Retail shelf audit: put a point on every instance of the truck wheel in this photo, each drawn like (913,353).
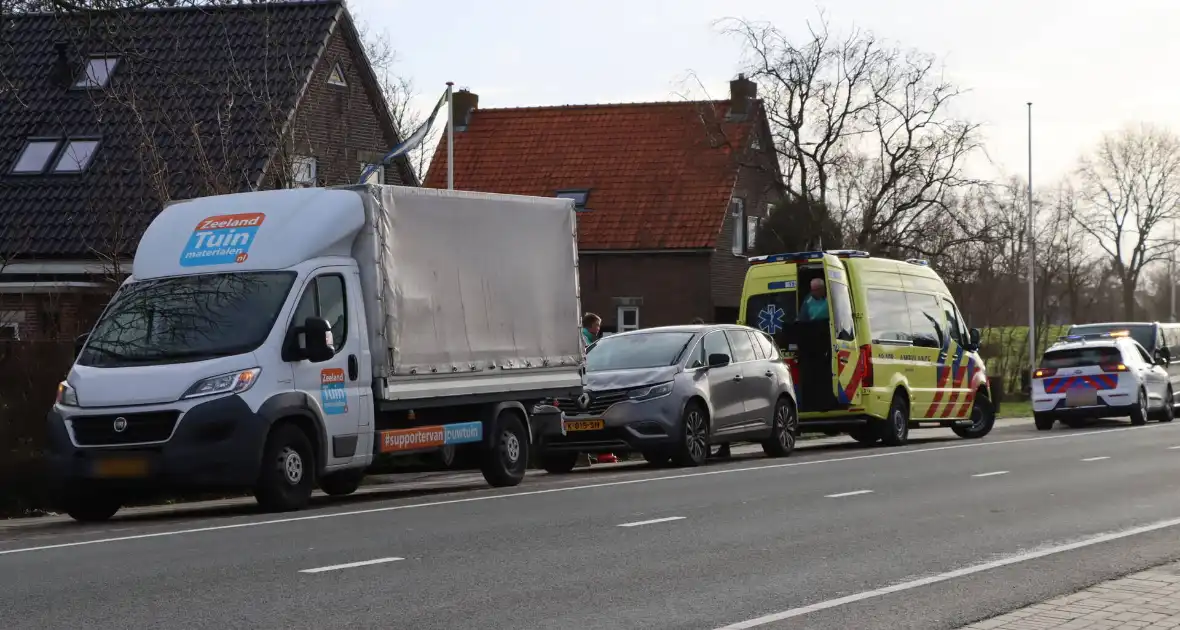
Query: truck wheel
(288,470)
(559,463)
(693,446)
(1139,413)
(94,507)
(1043,422)
(784,426)
(983,418)
(505,462)
(339,484)
(895,430)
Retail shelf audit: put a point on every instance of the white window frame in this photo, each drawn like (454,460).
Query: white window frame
(91,79)
(737,210)
(619,318)
(378,175)
(337,71)
(303,171)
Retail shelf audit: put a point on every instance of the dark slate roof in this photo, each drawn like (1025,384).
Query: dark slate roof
(229,76)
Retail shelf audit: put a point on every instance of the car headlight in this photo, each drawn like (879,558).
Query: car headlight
(232,383)
(647,393)
(66,395)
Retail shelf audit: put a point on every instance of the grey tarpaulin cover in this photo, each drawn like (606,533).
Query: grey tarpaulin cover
(468,282)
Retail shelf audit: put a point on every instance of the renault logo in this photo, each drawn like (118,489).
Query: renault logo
(584,400)
(120,424)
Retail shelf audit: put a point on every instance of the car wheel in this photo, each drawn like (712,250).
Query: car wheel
(1139,414)
(895,431)
(288,470)
(864,435)
(559,463)
(657,458)
(983,418)
(342,483)
(693,447)
(1043,422)
(783,429)
(91,507)
(1168,413)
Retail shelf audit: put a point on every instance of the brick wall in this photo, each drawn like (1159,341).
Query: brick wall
(338,125)
(51,316)
(674,288)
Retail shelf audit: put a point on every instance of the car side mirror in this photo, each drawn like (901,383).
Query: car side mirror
(79,343)
(1162,361)
(318,345)
(976,338)
(718,360)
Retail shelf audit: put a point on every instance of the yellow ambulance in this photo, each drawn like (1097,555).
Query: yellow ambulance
(876,346)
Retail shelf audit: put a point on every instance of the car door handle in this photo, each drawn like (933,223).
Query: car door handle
(738,377)
(354,367)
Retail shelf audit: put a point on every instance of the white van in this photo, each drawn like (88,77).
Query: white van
(273,340)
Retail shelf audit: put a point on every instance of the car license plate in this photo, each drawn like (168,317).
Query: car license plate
(121,467)
(1081,398)
(583,425)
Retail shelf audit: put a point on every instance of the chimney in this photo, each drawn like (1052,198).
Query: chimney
(463,103)
(742,93)
(61,73)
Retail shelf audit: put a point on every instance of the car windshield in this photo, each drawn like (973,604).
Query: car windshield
(1143,333)
(187,318)
(637,350)
(1080,357)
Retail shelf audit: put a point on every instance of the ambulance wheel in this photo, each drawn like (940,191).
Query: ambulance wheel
(343,483)
(895,430)
(1043,422)
(505,462)
(1168,413)
(1139,413)
(864,435)
(288,470)
(983,418)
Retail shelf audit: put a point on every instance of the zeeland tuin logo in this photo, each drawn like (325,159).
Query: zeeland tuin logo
(221,240)
(333,395)
(772,319)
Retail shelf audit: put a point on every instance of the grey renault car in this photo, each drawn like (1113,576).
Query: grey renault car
(671,392)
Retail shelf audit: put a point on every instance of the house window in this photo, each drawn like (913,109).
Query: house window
(76,156)
(97,73)
(752,225)
(628,318)
(336,76)
(10,322)
(374,176)
(34,158)
(579,197)
(737,212)
(303,171)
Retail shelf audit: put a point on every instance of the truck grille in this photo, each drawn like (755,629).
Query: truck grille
(153,426)
(599,403)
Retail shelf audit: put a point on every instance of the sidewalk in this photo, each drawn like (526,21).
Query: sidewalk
(1149,600)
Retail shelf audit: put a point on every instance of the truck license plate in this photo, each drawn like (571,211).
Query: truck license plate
(123,467)
(584,425)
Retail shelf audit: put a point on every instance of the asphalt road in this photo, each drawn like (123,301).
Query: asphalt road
(935,535)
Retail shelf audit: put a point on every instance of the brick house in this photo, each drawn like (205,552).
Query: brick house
(670,194)
(108,115)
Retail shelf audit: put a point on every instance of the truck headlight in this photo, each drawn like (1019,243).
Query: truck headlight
(66,396)
(232,383)
(647,393)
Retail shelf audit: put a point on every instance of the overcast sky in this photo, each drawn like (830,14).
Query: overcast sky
(1088,66)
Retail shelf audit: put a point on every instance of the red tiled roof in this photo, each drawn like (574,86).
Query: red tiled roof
(659,175)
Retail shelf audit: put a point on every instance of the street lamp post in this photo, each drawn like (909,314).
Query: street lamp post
(1032,267)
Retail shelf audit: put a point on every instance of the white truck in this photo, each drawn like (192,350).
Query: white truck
(275,340)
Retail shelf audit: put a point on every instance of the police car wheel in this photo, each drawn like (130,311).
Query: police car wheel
(1043,422)
(895,431)
(1139,413)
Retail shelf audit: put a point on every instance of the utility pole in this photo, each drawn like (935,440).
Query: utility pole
(1032,265)
(1172,273)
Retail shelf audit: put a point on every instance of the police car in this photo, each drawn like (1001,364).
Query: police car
(1082,377)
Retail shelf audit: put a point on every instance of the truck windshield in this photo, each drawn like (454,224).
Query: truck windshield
(187,318)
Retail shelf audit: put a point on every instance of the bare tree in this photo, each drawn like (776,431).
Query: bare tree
(863,128)
(399,91)
(1129,189)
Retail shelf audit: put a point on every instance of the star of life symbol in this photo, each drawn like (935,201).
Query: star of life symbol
(771,319)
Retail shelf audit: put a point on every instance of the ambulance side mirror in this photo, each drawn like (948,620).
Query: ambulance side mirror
(975,339)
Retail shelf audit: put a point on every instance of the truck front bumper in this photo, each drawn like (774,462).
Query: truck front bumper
(215,444)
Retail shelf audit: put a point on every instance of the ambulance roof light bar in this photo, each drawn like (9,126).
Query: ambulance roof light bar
(802,256)
(918,261)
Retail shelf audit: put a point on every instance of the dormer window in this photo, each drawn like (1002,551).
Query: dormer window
(579,196)
(97,73)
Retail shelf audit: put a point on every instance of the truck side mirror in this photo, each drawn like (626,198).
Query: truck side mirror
(79,343)
(318,345)
(976,338)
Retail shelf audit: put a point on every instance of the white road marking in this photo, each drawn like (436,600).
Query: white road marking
(653,521)
(1174,448)
(950,575)
(351,565)
(1095,459)
(991,474)
(592,486)
(847,494)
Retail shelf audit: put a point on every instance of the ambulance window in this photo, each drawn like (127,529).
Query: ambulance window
(841,310)
(953,325)
(889,315)
(772,313)
(925,320)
